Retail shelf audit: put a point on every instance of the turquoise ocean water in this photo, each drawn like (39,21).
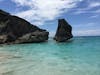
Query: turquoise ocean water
(80,56)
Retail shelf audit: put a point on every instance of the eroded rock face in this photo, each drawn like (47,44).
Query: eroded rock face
(12,28)
(33,37)
(64,31)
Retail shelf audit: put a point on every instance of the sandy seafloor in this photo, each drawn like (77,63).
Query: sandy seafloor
(80,56)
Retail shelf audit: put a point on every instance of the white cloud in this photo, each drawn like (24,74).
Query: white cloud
(85,26)
(94,4)
(42,10)
(86,29)
(52,34)
(94,16)
(90,4)
(97,12)
(95,32)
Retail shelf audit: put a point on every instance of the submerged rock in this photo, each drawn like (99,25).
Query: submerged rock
(13,28)
(64,31)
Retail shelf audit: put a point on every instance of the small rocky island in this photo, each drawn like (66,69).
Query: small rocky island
(64,31)
(17,30)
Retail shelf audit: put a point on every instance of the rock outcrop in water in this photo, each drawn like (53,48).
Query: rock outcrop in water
(17,30)
(64,31)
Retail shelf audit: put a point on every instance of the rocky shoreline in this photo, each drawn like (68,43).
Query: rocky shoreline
(17,30)
(14,30)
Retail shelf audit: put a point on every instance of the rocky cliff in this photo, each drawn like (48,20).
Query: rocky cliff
(17,30)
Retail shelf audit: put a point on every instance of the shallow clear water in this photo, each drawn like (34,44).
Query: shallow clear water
(80,56)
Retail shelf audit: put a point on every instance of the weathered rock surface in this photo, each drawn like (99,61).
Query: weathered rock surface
(36,36)
(64,31)
(17,30)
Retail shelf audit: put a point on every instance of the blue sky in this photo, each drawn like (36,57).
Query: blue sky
(83,15)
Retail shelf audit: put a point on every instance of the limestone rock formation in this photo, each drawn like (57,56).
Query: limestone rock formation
(64,31)
(13,28)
